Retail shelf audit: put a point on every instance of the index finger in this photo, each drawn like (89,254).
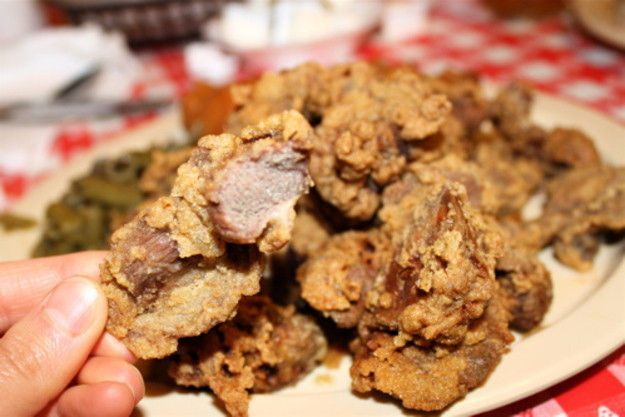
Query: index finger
(23,284)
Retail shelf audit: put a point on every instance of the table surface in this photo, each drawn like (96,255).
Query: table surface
(553,54)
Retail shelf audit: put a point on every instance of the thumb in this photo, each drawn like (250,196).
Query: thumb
(41,354)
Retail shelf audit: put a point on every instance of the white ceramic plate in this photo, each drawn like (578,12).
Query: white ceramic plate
(586,321)
(601,19)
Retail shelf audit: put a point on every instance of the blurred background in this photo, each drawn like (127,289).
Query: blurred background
(75,73)
(49,46)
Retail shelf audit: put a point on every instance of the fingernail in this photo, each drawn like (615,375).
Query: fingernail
(70,305)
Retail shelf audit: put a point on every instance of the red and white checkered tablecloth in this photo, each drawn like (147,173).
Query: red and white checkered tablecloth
(552,54)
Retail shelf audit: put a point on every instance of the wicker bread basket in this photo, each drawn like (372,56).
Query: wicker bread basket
(142,21)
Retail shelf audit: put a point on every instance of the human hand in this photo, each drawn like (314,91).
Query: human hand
(55,357)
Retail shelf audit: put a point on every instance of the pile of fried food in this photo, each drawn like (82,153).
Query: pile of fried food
(381,200)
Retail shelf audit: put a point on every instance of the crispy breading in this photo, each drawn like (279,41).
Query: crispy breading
(430,377)
(335,279)
(581,204)
(182,264)
(418,289)
(435,308)
(365,117)
(263,348)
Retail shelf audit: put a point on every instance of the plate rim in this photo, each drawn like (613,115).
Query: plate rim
(594,22)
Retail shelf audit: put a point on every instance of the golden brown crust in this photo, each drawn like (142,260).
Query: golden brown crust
(431,377)
(435,310)
(335,279)
(367,116)
(421,290)
(264,348)
(581,204)
(172,272)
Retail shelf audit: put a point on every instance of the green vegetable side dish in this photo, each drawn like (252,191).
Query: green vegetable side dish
(12,221)
(84,217)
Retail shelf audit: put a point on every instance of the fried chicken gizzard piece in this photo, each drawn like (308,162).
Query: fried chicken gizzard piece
(263,348)
(182,264)
(435,315)
(432,377)
(422,292)
(581,204)
(335,279)
(557,150)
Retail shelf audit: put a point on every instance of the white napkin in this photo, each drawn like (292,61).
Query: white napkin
(35,68)
(38,66)
(206,61)
(404,19)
